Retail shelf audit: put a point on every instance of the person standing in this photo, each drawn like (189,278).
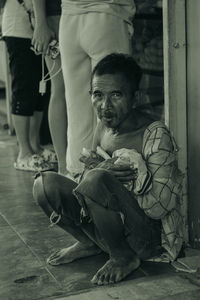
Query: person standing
(47,18)
(89,30)
(27,103)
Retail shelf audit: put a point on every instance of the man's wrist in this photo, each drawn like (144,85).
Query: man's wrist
(41,22)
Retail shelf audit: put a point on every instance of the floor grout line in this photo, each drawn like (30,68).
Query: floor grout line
(31,250)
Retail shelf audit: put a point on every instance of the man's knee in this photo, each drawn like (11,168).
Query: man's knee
(55,191)
(97,185)
(96,176)
(44,187)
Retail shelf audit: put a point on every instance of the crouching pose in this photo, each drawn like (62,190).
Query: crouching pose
(127,201)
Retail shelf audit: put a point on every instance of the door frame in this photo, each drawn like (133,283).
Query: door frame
(175,84)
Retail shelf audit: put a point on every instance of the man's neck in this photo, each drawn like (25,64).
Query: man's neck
(133,122)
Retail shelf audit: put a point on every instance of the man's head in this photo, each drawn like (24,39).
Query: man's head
(114,82)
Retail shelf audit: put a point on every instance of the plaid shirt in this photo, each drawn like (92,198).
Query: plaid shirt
(163,200)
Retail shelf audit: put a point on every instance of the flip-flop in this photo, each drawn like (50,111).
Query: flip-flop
(33,163)
(49,156)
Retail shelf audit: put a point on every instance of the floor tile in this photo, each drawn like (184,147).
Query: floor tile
(32,285)
(3,223)
(44,240)
(153,268)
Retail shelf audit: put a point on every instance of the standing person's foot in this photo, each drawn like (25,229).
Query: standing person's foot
(72,253)
(49,155)
(116,269)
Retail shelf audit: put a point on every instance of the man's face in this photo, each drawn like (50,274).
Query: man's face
(111,98)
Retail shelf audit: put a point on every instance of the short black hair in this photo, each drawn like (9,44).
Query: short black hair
(118,63)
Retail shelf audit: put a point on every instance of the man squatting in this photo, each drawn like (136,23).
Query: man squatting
(127,202)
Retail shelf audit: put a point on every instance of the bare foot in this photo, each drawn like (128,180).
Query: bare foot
(24,156)
(74,252)
(115,270)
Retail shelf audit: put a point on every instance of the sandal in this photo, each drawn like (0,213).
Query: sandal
(34,163)
(49,156)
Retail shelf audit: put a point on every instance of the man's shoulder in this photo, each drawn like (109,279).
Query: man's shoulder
(156,125)
(156,137)
(155,130)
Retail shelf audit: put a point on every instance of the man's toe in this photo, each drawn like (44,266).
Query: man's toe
(102,279)
(52,262)
(94,279)
(112,279)
(119,276)
(52,259)
(107,279)
(100,282)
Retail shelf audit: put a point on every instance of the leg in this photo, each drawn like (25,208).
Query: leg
(53,192)
(22,125)
(34,132)
(25,69)
(106,199)
(76,72)
(81,48)
(58,114)
(123,260)
(27,160)
(22,110)
(57,104)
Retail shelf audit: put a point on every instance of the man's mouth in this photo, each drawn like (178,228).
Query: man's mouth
(108,116)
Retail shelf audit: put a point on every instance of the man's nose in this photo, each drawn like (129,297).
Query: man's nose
(106,102)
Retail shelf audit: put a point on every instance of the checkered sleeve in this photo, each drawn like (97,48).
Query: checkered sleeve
(159,152)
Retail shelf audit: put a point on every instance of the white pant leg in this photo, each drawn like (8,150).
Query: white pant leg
(76,65)
(84,40)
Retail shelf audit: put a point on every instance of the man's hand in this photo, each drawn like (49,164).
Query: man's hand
(91,159)
(122,173)
(42,36)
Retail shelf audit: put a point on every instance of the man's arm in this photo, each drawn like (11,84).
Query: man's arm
(42,34)
(159,152)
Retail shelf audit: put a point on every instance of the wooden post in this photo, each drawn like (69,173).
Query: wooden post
(175,89)
(193,108)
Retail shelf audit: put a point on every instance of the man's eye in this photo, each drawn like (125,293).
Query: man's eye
(97,95)
(116,95)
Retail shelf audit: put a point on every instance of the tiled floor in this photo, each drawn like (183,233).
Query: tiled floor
(26,240)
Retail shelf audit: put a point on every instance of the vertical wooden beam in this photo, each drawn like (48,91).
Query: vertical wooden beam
(193,96)
(175,76)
